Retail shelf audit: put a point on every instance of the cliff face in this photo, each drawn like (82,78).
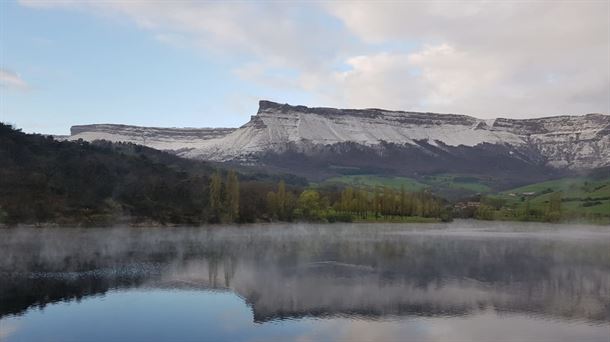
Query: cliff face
(562,142)
(572,142)
(172,139)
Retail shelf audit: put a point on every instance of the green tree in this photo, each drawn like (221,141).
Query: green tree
(362,202)
(216,196)
(377,202)
(402,204)
(309,204)
(388,201)
(282,200)
(281,204)
(553,213)
(232,198)
(347,197)
(272,206)
(484,212)
(555,202)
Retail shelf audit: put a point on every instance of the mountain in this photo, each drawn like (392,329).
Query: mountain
(321,142)
(172,139)
(45,181)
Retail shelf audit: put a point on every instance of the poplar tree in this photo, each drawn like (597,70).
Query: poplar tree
(281,200)
(232,204)
(216,195)
(555,202)
(272,206)
(362,202)
(403,201)
(346,199)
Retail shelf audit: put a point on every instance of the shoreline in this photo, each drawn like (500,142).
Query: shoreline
(430,221)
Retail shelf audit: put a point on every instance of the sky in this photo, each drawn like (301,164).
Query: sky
(207,64)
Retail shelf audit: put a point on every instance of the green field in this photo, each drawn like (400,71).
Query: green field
(369,181)
(450,186)
(572,187)
(581,197)
(457,182)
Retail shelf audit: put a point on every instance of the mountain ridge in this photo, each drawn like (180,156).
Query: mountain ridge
(557,142)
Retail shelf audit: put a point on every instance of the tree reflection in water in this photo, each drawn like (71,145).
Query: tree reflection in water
(290,271)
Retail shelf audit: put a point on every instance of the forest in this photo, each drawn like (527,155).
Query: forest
(44,181)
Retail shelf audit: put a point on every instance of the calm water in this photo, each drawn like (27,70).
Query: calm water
(463,281)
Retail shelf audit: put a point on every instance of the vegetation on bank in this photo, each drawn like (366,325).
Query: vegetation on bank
(583,198)
(563,200)
(44,181)
(352,204)
(451,186)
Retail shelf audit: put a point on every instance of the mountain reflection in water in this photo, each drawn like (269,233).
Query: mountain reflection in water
(370,272)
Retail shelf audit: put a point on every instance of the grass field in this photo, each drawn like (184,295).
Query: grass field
(451,186)
(369,181)
(580,196)
(457,182)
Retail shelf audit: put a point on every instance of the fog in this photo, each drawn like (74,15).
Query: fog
(307,270)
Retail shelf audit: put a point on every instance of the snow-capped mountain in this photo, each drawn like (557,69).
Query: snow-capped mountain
(328,135)
(168,139)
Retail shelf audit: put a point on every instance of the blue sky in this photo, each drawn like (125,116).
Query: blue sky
(84,69)
(195,64)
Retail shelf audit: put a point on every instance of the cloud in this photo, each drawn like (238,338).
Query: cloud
(382,80)
(12,80)
(521,59)
(298,35)
(488,59)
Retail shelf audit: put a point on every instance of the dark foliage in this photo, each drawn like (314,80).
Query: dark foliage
(43,181)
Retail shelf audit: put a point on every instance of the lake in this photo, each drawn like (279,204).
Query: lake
(461,281)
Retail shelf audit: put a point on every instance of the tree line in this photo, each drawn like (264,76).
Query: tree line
(378,203)
(44,181)
(492,208)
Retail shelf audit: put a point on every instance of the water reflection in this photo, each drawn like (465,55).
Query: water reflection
(376,272)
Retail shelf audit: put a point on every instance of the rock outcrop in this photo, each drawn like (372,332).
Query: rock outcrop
(560,142)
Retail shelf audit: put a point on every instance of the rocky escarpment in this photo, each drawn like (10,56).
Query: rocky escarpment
(562,142)
(172,139)
(329,137)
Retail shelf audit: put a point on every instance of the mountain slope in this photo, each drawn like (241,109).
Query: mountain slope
(562,141)
(173,139)
(43,180)
(321,142)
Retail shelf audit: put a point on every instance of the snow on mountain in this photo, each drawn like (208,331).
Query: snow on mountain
(562,141)
(170,139)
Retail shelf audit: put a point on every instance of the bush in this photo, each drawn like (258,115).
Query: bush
(338,217)
(484,212)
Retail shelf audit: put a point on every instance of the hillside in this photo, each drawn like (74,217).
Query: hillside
(44,181)
(449,186)
(575,198)
(563,141)
(321,143)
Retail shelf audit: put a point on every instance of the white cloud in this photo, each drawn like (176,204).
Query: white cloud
(277,34)
(490,58)
(519,59)
(382,80)
(12,80)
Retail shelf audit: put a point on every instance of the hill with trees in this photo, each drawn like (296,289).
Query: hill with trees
(45,181)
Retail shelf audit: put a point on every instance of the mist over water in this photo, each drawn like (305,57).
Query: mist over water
(457,281)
